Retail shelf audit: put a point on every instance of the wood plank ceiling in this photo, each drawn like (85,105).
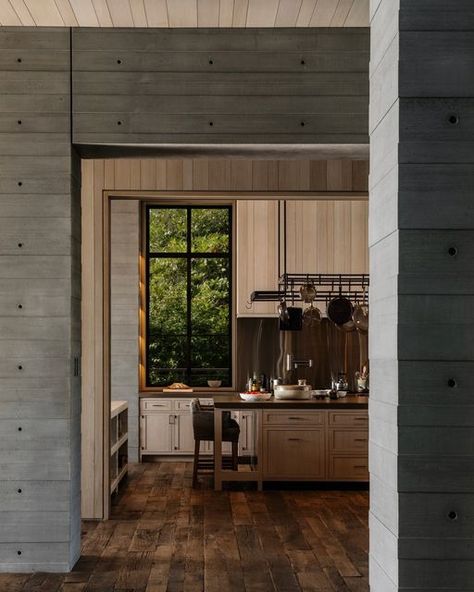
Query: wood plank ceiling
(185,13)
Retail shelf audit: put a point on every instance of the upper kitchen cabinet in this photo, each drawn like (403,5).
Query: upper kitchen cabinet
(327,236)
(323,236)
(257,254)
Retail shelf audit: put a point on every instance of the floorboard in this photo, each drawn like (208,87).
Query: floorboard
(164,536)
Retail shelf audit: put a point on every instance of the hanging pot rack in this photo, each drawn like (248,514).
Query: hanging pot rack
(354,286)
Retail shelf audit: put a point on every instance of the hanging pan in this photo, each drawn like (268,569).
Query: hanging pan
(340,309)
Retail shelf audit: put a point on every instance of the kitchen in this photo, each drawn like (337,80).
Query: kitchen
(333,211)
(111,107)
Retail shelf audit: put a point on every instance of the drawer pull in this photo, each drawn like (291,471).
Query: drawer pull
(294,439)
(360,467)
(360,439)
(360,418)
(158,405)
(296,418)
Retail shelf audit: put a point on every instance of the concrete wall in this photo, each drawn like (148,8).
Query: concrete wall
(40,331)
(422,354)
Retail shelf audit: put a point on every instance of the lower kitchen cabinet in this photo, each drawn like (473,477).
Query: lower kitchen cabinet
(310,445)
(166,428)
(294,453)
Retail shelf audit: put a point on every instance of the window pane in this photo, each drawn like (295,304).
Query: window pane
(210,290)
(167,297)
(211,358)
(167,359)
(168,230)
(210,228)
(201,376)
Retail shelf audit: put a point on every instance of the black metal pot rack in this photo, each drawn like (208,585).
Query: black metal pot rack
(328,286)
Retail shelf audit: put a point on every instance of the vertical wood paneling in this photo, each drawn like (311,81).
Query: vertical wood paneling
(256,233)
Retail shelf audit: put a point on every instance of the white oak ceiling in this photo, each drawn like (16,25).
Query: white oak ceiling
(185,13)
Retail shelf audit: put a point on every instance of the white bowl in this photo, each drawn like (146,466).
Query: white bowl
(341,394)
(214,383)
(321,393)
(254,397)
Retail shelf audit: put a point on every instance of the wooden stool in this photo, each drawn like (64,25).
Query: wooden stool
(203,428)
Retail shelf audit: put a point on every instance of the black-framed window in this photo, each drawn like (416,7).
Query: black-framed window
(188,295)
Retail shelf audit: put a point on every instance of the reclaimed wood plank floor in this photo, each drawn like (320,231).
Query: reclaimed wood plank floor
(166,537)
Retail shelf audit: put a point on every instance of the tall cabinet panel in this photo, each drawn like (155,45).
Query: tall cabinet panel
(257,254)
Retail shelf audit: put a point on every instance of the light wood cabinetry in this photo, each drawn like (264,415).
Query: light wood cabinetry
(322,237)
(313,445)
(257,254)
(118,465)
(297,453)
(348,446)
(166,428)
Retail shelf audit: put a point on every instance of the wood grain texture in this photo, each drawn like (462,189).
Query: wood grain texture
(191,13)
(165,535)
(202,175)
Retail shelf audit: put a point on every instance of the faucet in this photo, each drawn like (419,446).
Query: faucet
(292,364)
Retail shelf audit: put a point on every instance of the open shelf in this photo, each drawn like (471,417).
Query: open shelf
(118,443)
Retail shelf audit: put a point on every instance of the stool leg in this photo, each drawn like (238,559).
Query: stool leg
(197,446)
(235,456)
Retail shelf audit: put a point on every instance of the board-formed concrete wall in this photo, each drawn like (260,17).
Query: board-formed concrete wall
(40,244)
(421,335)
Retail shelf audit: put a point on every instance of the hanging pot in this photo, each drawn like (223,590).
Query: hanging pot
(340,310)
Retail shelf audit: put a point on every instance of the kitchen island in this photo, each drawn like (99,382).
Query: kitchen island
(299,440)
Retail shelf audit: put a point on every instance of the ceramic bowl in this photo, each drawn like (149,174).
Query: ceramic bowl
(254,397)
(214,383)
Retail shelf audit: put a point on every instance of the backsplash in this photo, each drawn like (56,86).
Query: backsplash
(262,348)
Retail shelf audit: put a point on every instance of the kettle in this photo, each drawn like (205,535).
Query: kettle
(341,383)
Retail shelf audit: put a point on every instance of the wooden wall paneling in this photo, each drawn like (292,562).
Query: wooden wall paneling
(200,175)
(200,13)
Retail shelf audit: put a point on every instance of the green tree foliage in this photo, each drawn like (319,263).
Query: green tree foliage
(175,352)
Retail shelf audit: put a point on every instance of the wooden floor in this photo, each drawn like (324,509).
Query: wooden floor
(165,537)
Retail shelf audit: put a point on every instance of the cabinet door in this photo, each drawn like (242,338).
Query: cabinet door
(156,433)
(183,440)
(246,440)
(294,454)
(257,254)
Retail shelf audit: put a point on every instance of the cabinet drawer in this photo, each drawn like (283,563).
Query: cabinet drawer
(182,405)
(156,405)
(294,454)
(349,468)
(350,419)
(344,440)
(293,418)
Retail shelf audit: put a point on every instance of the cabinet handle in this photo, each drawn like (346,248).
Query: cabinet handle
(296,418)
(294,439)
(360,439)
(360,467)
(360,418)
(171,419)
(158,405)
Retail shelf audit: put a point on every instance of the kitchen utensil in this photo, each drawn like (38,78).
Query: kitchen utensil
(311,316)
(320,393)
(292,391)
(283,311)
(340,309)
(294,321)
(254,397)
(308,293)
(360,315)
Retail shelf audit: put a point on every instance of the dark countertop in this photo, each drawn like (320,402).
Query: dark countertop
(233,401)
(178,395)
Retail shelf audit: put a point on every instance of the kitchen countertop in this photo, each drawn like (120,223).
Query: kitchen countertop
(193,395)
(233,401)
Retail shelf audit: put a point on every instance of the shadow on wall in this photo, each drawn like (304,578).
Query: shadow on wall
(262,349)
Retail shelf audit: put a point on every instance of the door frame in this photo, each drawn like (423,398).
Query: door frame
(105,250)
